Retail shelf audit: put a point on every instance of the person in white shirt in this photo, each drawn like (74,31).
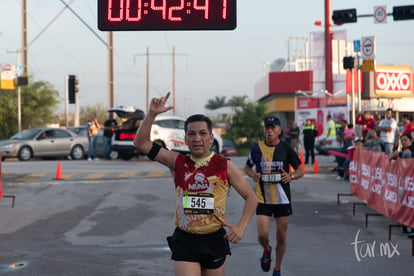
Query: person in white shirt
(387,128)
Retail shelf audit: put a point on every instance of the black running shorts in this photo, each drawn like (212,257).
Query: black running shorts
(279,210)
(210,250)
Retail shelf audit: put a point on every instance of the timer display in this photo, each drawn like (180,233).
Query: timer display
(152,15)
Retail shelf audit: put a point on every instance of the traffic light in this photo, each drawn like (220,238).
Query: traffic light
(403,12)
(344,16)
(72,88)
(349,63)
(22,81)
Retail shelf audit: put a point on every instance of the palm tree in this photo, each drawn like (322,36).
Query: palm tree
(238,101)
(215,103)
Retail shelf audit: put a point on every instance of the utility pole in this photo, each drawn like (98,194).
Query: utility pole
(111,91)
(328,47)
(147,54)
(25,61)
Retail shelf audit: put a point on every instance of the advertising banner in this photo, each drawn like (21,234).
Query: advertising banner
(317,109)
(384,185)
(7,77)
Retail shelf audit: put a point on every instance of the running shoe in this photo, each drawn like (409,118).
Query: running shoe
(266,260)
(276,273)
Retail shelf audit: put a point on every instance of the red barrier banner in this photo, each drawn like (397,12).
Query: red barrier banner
(384,185)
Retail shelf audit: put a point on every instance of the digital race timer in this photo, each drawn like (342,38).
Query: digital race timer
(151,15)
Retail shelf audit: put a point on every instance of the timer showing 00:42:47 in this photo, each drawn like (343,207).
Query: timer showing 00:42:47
(152,15)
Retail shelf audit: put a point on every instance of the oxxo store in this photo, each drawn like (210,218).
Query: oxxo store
(289,95)
(388,87)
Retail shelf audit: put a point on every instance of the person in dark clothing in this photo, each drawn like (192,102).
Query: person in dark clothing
(109,128)
(309,134)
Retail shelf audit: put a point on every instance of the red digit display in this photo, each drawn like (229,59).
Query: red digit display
(152,15)
(204,7)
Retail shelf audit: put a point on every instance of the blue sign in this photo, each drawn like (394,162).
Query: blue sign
(357,46)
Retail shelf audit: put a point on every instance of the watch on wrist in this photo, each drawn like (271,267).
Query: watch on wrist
(292,176)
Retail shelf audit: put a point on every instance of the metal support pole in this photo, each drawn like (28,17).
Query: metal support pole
(19,108)
(66,102)
(173,64)
(328,47)
(76,119)
(147,82)
(111,90)
(352,97)
(358,86)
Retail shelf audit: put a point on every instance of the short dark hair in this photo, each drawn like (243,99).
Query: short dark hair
(389,109)
(199,118)
(406,135)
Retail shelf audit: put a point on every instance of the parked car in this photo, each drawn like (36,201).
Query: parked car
(83,131)
(229,149)
(45,143)
(166,130)
(123,138)
(323,145)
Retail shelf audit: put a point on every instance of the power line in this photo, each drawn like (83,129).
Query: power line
(86,24)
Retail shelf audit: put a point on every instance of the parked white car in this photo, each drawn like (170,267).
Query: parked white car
(169,132)
(166,130)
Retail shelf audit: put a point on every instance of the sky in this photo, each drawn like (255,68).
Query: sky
(208,63)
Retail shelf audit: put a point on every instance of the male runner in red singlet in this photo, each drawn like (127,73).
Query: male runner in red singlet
(202,180)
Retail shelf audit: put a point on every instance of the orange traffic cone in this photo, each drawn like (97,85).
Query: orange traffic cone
(58,171)
(302,161)
(316,166)
(291,170)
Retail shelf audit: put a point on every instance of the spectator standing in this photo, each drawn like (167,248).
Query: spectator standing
(310,132)
(345,141)
(387,128)
(294,136)
(408,126)
(330,128)
(109,128)
(377,118)
(286,134)
(406,148)
(338,123)
(93,129)
(405,152)
(349,135)
(373,142)
(366,122)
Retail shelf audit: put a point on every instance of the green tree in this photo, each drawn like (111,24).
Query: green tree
(215,103)
(238,101)
(39,101)
(100,110)
(244,128)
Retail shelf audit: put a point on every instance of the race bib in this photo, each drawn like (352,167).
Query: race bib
(198,203)
(272,177)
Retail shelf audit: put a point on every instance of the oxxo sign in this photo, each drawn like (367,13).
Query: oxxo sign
(393,83)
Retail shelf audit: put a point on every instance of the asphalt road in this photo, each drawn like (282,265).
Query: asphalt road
(111,225)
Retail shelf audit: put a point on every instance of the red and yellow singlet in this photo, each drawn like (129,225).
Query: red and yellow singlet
(201,188)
